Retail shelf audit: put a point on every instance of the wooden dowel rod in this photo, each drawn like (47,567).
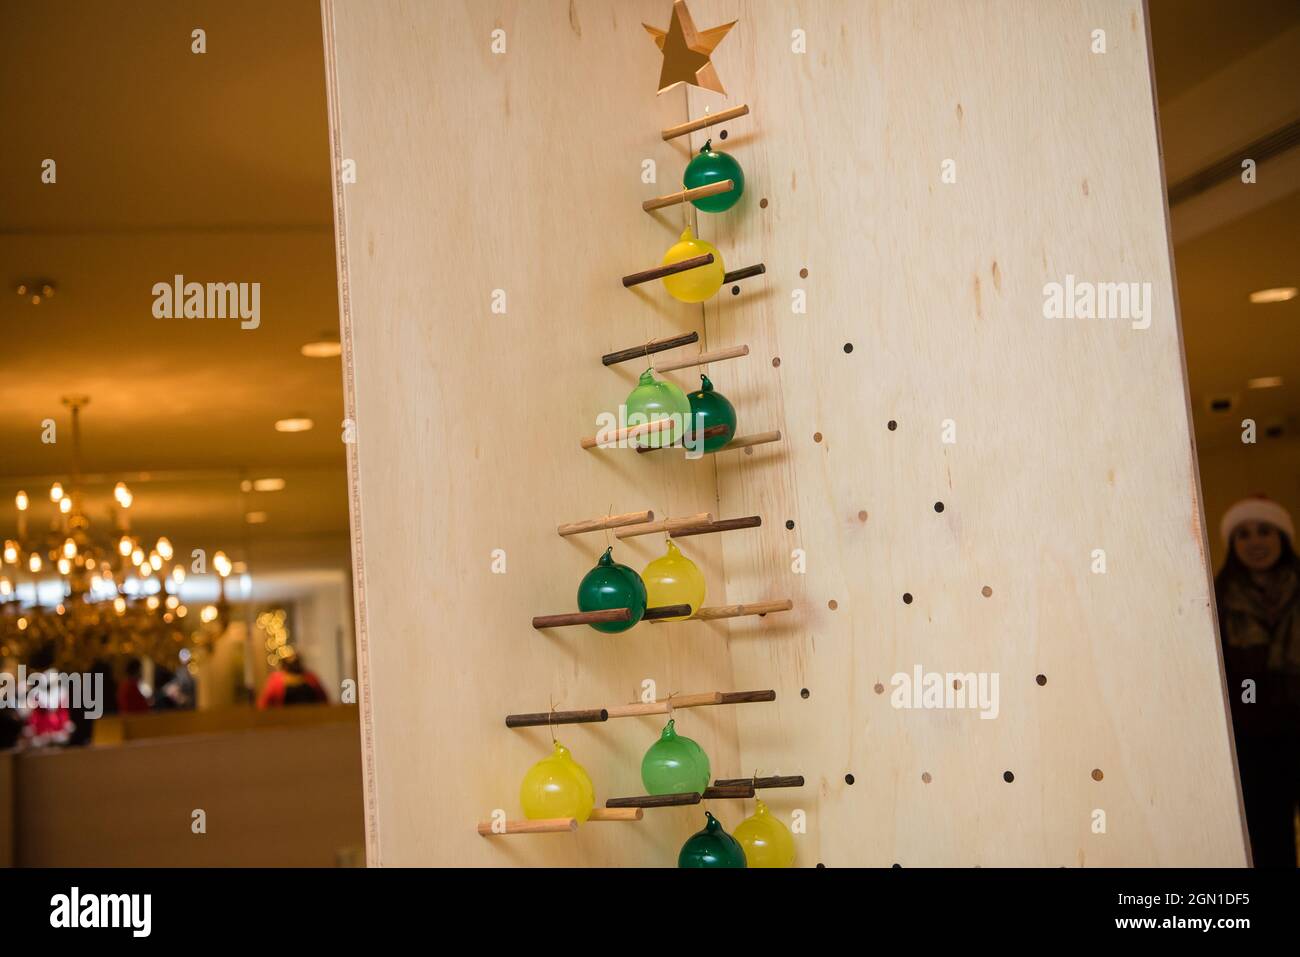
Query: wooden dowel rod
(615,814)
(664,525)
(708,433)
(717,355)
(605,439)
(758,438)
(672,269)
(685,195)
(717,793)
(541,718)
(666,705)
(549,825)
(694,700)
(745,272)
(726,525)
(656,800)
(709,119)
(777,781)
(654,345)
(583,618)
(748,697)
(666,611)
(740,611)
(639,710)
(609,521)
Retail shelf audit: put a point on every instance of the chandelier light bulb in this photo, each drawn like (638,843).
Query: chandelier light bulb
(172,602)
(125,545)
(22,289)
(178,574)
(6,589)
(221,563)
(47,291)
(11,553)
(56,492)
(119,604)
(21,501)
(64,566)
(208,614)
(137,556)
(65,505)
(69,549)
(22,624)
(164,548)
(34,563)
(182,611)
(152,602)
(155,561)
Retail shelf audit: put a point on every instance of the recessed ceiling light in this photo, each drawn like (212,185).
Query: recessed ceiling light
(1277,294)
(268,485)
(300,424)
(323,349)
(255,518)
(1264,382)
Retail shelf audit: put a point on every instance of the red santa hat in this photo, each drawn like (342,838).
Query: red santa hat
(1256,508)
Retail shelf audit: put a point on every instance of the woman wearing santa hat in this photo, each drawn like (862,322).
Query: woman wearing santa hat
(1258,594)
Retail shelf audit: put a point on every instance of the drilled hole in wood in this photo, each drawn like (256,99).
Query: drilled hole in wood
(776,362)
(832,604)
(1096,774)
(938,506)
(848,779)
(817,436)
(762,203)
(892,425)
(956,684)
(803,273)
(1042,680)
(749,450)
(925,777)
(848,347)
(804,692)
(820,865)
(879,688)
(1008,776)
(907,598)
(789,523)
(722,135)
(862,515)
(735,290)
(986,591)
(896,866)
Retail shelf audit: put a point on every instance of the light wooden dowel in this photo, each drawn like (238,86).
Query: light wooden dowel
(666,705)
(615,814)
(740,611)
(702,699)
(686,195)
(717,355)
(638,710)
(548,825)
(664,525)
(758,438)
(583,618)
(609,521)
(709,119)
(604,440)
(708,433)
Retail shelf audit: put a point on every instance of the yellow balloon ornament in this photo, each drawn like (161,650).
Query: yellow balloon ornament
(557,786)
(698,284)
(673,579)
(765,838)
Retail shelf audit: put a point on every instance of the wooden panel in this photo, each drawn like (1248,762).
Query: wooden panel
(1071,435)
(288,797)
(520,172)
(116,728)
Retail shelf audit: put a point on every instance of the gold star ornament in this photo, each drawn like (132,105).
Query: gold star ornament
(686,51)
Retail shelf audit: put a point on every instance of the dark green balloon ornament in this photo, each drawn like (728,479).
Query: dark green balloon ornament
(709,408)
(710,166)
(611,585)
(711,847)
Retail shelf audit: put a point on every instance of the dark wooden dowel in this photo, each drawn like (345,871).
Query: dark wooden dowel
(720,792)
(708,433)
(542,718)
(656,800)
(747,697)
(659,272)
(776,781)
(582,618)
(654,345)
(747,272)
(726,525)
(666,611)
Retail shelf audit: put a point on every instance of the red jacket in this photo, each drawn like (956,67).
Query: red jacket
(283,689)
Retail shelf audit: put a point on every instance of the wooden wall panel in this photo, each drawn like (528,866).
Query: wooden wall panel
(520,171)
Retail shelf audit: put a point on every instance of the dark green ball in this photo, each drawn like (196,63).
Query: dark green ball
(710,166)
(611,585)
(709,408)
(711,847)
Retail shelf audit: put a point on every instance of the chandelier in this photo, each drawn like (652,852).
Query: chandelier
(118,599)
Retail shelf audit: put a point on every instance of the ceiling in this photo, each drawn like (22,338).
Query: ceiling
(215,166)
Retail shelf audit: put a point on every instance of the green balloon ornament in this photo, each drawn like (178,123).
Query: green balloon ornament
(710,166)
(674,765)
(765,838)
(611,585)
(711,847)
(656,399)
(709,408)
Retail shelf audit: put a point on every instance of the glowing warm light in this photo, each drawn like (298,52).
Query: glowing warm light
(11,553)
(164,547)
(322,349)
(125,545)
(22,624)
(178,574)
(294,425)
(65,505)
(69,549)
(1264,382)
(123,495)
(21,501)
(155,561)
(182,611)
(268,485)
(221,563)
(59,609)
(172,602)
(137,556)
(119,604)
(56,492)
(64,566)
(6,589)
(208,614)
(255,518)
(34,563)
(1276,294)
(152,602)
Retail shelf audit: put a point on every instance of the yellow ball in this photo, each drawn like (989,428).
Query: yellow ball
(698,284)
(673,579)
(557,786)
(766,839)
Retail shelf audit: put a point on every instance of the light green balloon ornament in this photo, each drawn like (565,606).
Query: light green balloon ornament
(674,765)
(656,399)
